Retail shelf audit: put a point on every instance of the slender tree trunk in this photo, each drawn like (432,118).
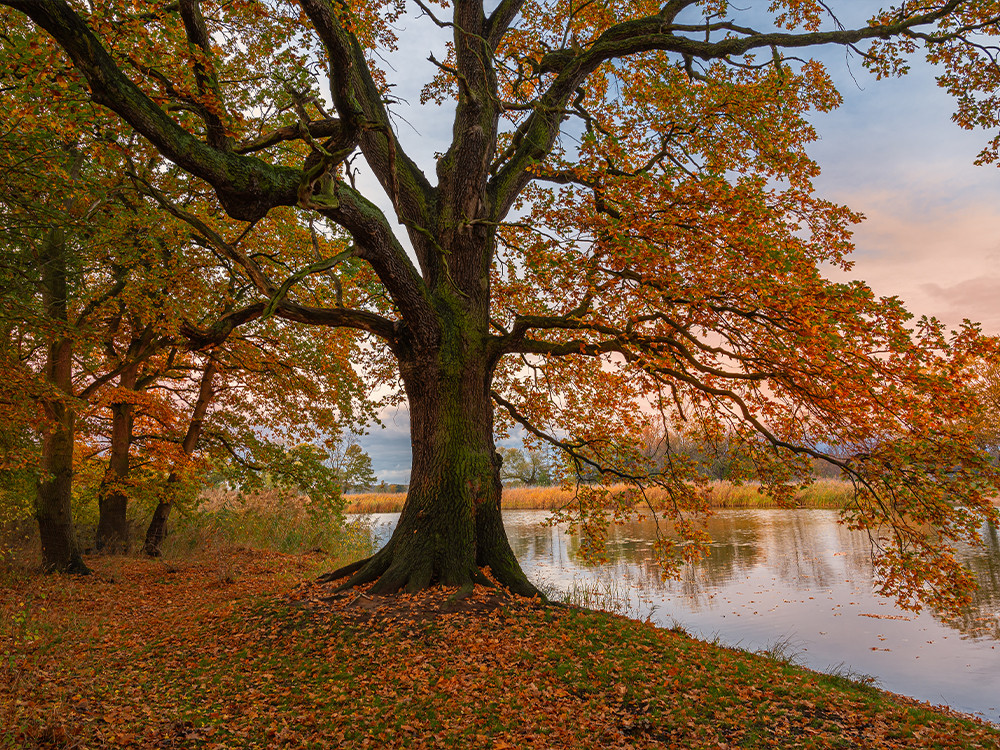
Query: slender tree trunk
(157,530)
(450,527)
(53,505)
(112,498)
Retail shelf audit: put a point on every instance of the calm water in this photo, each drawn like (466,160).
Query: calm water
(795,580)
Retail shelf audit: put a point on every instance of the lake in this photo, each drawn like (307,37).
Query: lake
(793,582)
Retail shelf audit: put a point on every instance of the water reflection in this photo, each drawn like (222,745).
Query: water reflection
(797,548)
(982,619)
(794,576)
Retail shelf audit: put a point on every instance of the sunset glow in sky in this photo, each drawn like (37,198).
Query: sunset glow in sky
(932,232)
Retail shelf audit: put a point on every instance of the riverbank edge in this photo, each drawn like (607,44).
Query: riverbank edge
(824,493)
(253,657)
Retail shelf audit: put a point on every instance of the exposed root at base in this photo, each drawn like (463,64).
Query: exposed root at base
(76,567)
(360,606)
(382,578)
(343,572)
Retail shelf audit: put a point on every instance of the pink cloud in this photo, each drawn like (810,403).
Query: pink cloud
(979,294)
(942,257)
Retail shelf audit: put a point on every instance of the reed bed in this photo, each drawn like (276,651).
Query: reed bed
(824,493)
(267,520)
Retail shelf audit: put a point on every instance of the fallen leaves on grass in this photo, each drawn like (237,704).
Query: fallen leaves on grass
(178,658)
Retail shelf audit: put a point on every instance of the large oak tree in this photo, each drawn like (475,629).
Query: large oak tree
(622,228)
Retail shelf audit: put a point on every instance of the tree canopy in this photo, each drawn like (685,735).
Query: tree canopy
(622,232)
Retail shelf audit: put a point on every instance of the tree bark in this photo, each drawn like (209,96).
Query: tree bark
(112,499)
(450,527)
(60,550)
(157,530)
(53,504)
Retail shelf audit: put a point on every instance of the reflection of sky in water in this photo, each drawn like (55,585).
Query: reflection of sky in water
(794,577)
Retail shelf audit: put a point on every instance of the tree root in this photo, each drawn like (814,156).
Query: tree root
(344,571)
(392,571)
(463,592)
(75,566)
(389,578)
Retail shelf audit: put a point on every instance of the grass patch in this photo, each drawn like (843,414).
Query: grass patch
(220,523)
(824,493)
(169,656)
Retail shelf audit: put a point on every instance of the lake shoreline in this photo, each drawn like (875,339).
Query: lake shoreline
(824,493)
(794,581)
(259,655)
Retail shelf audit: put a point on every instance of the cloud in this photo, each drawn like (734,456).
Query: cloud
(389,446)
(979,294)
(941,259)
(932,230)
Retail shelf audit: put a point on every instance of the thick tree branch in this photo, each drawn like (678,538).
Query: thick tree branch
(247,187)
(725,394)
(204,74)
(536,136)
(329,128)
(573,450)
(377,245)
(360,106)
(218,332)
(374,243)
(477,111)
(500,21)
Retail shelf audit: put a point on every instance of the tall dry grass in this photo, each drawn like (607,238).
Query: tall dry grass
(824,493)
(219,525)
(267,520)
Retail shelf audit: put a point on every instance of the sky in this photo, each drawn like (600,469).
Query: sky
(932,229)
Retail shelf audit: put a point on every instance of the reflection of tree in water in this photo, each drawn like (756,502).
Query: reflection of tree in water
(735,549)
(800,549)
(795,548)
(982,618)
(856,549)
(630,547)
(629,552)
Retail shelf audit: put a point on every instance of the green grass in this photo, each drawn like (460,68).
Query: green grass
(169,656)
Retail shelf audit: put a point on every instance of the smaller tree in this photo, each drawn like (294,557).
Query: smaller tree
(528,468)
(352,465)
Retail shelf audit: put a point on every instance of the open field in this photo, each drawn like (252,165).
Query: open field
(824,493)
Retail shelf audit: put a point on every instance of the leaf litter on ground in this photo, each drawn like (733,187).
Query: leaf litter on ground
(146,655)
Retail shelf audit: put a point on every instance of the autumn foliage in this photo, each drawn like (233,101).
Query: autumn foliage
(621,235)
(253,660)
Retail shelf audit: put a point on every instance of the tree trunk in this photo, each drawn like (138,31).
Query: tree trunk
(157,530)
(450,527)
(54,498)
(112,499)
(53,509)
(53,504)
